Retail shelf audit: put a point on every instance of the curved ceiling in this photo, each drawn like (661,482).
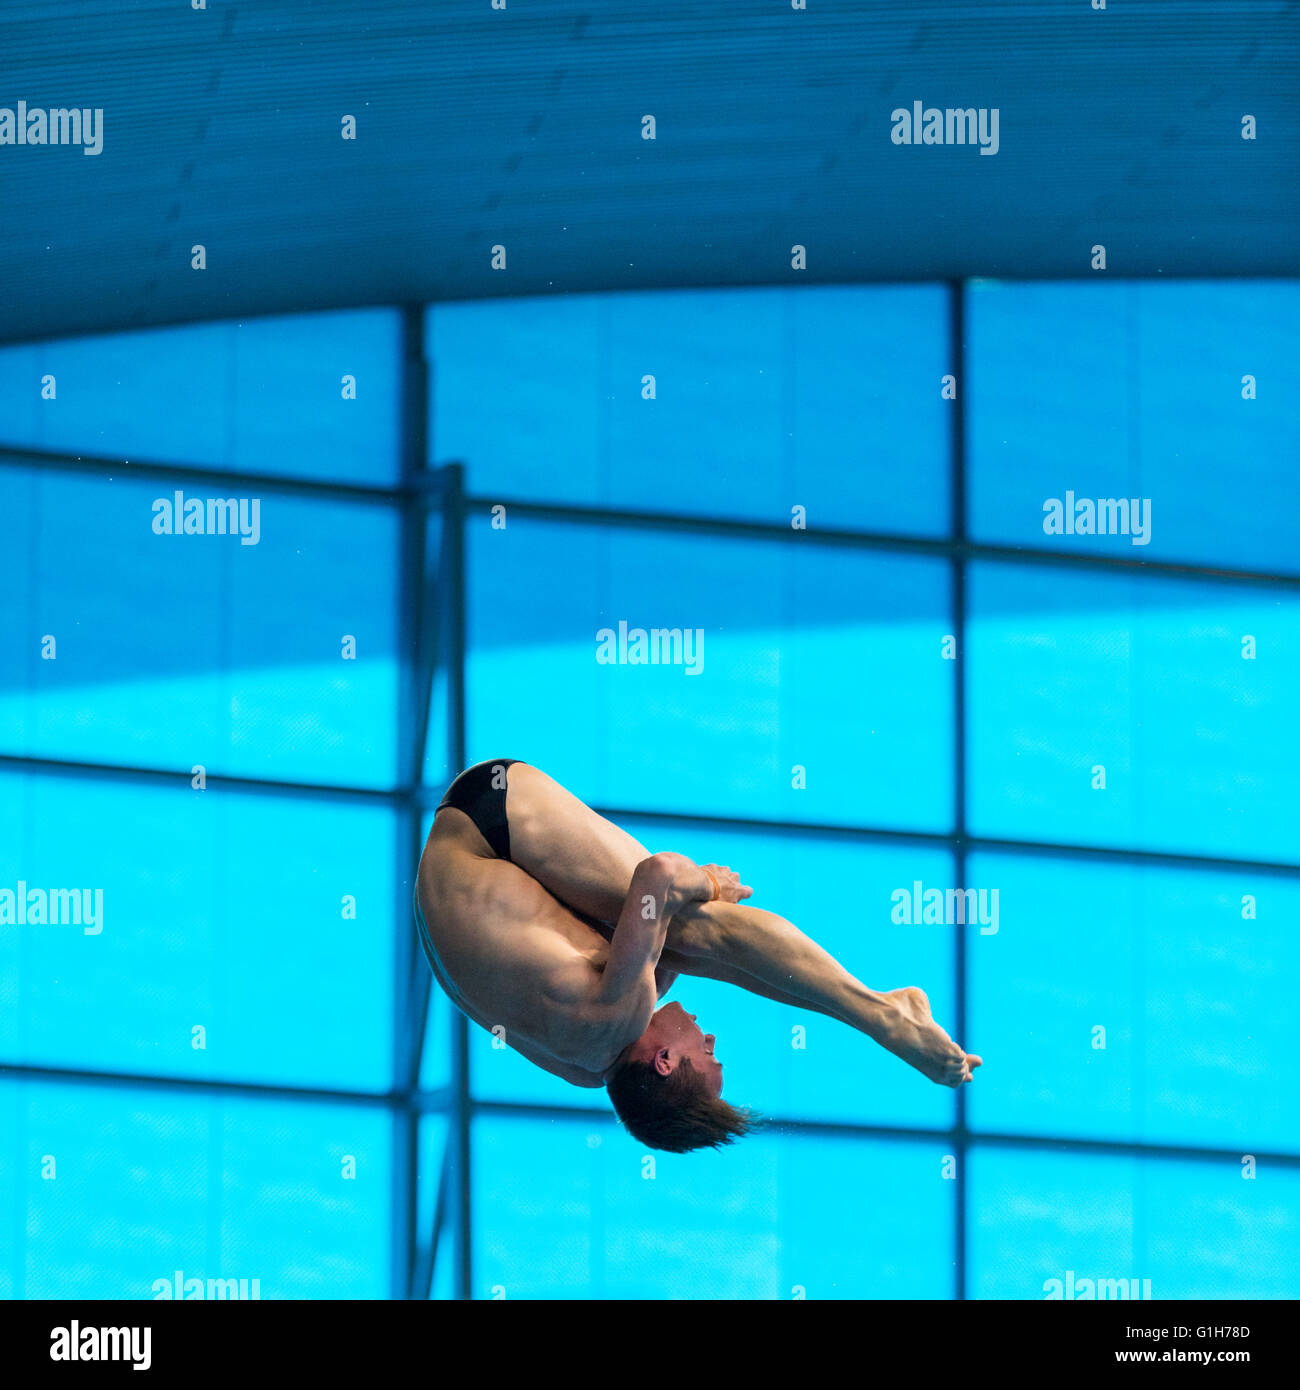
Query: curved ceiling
(522,127)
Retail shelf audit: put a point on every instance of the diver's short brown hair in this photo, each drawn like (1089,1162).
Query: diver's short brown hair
(674,1112)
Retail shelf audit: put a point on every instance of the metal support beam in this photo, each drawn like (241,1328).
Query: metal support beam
(437,624)
(459,1136)
(173,777)
(409,626)
(1047,1143)
(123,470)
(957,528)
(936,547)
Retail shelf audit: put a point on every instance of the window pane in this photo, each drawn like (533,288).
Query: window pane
(177,650)
(1135,390)
(220,911)
(800,666)
(826,398)
(216,1187)
(1188,972)
(1194,1229)
(570,1210)
(263,396)
(1145,678)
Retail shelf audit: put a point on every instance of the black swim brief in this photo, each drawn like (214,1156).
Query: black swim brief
(476,792)
(485,804)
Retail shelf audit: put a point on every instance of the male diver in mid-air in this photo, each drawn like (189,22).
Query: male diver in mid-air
(543,919)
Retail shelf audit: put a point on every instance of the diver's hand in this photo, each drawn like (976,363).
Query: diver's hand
(695,883)
(730,888)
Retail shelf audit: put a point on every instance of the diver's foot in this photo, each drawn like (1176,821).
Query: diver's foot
(913,1035)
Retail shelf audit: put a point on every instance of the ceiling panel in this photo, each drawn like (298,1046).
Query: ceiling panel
(522,127)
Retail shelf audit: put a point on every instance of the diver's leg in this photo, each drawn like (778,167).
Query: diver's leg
(578,855)
(750,946)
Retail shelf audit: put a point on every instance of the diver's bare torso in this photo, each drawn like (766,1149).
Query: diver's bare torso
(508,953)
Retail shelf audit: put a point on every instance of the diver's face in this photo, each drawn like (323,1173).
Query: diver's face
(676,1030)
